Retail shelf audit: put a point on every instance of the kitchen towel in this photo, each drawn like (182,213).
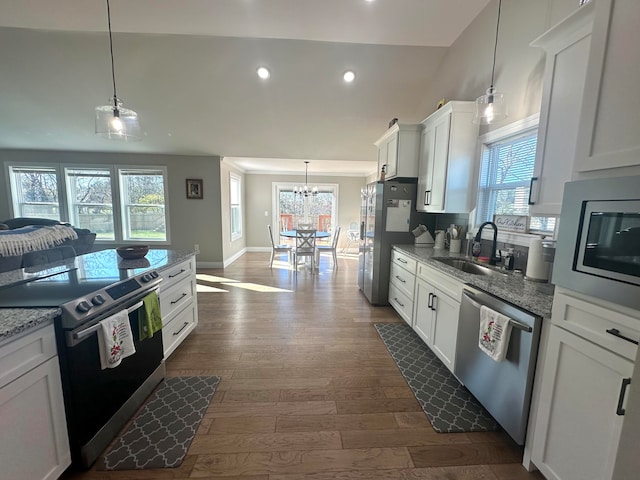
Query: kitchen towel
(150,316)
(495,331)
(115,339)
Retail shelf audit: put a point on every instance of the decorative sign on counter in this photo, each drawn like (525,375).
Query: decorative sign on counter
(512,223)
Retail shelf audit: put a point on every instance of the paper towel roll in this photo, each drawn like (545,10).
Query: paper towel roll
(537,268)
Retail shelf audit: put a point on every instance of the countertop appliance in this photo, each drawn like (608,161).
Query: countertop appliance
(598,249)
(387,217)
(503,388)
(98,403)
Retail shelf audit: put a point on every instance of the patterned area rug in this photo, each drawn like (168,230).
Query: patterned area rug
(163,430)
(447,403)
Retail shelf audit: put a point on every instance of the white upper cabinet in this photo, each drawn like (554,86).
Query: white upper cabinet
(447,150)
(398,150)
(567,52)
(609,130)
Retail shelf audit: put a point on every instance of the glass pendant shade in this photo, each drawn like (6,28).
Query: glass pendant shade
(490,107)
(305,191)
(117,123)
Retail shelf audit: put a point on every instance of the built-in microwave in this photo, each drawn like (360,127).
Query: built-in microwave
(598,249)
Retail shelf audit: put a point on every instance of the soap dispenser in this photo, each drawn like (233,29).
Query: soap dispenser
(509,259)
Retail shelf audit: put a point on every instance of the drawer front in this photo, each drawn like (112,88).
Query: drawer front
(173,275)
(444,282)
(601,325)
(175,298)
(402,279)
(401,303)
(25,353)
(406,262)
(178,328)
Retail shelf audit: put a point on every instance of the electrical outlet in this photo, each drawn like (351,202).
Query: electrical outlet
(266,214)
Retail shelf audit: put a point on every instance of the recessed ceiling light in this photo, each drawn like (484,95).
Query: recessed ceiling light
(349,76)
(264,73)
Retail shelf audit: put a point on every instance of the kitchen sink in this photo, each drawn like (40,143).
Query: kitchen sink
(470,267)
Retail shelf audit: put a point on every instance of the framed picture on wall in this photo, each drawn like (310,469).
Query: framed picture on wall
(194,188)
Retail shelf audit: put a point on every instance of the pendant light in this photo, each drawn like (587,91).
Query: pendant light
(305,191)
(113,121)
(491,107)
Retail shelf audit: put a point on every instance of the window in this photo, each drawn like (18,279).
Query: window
(505,176)
(117,203)
(35,192)
(235,199)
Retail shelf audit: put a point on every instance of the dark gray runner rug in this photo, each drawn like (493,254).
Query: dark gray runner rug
(163,430)
(447,403)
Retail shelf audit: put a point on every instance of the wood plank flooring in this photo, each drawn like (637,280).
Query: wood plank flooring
(309,390)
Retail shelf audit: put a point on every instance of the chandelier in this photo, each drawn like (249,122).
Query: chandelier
(113,121)
(305,191)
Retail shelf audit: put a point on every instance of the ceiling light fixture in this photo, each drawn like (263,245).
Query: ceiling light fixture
(113,121)
(264,73)
(491,106)
(306,190)
(349,76)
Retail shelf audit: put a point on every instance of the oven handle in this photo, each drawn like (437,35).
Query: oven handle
(88,331)
(514,323)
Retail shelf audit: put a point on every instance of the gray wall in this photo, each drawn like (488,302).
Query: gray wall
(258,199)
(191,221)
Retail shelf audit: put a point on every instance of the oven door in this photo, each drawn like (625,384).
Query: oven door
(610,240)
(99,402)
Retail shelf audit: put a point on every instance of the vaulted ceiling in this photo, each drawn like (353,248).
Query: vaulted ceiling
(189,69)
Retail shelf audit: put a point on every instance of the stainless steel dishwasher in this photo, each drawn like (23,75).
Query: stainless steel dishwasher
(503,388)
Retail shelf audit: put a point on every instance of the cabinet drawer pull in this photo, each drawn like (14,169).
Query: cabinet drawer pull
(533,179)
(182,270)
(616,333)
(434,305)
(398,277)
(398,301)
(401,260)
(623,390)
(173,302)
(181,328)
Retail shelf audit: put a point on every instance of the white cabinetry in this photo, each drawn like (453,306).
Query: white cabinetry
(402,280)
(609,130)
(583,389)
(567,50)
(398,150)
(436,311)
(32,418)
(445,171)
(178,304)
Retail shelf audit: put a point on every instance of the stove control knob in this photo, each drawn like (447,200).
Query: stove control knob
(98,300)
(145,278)
(155,274)
(83,307)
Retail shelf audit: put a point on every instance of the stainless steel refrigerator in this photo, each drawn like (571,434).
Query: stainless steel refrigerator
(387,216)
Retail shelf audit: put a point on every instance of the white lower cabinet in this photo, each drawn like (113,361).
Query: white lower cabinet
(402,278)
(436,312)
(178,304)
(32,418)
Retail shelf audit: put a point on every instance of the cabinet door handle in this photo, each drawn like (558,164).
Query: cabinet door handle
(182,270)
(173,302)
(181,328)
(616,333)
(427,197)
(623,390)
(430,302)
(533,179)
(434,305)
(399,278)
(401,260)
(398,302)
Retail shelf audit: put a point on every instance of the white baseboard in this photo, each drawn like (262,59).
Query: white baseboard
(258,249)
(233,258)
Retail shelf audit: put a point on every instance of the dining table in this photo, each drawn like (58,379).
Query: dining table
(292,234)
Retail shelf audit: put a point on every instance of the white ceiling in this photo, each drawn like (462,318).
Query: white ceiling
(188,68)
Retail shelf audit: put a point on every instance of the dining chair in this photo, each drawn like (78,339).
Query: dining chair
(353,235)
(305,226)
(278,249)
(332,249)
(305,247)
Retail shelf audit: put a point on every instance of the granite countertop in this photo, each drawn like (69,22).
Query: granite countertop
(534,297)
(15,321)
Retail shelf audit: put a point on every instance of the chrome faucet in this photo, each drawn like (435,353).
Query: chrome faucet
(493,260)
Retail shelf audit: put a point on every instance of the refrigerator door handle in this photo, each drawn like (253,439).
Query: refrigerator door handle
(361,230)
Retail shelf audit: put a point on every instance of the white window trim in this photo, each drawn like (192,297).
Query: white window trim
(515,128)
(277,187)
(238,178)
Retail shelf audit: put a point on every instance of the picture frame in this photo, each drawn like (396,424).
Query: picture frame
(194,188)
(512,223)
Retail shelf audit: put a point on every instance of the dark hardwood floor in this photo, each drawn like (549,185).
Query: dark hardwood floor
(309,390)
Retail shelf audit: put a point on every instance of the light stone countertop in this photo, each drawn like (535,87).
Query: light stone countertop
(15,321)
(534,297)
